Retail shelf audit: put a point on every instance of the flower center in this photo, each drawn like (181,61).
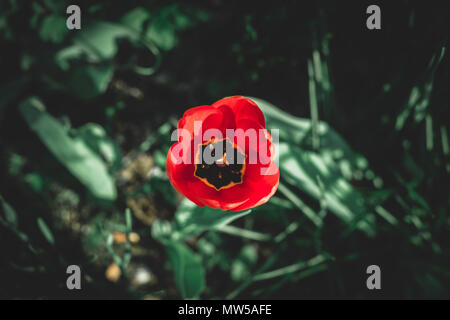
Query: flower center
(222,164)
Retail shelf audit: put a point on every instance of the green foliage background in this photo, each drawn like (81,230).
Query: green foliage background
(85,123)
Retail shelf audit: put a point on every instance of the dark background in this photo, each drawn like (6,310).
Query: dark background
(385,92)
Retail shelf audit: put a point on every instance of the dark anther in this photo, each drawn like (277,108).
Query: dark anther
(226,170)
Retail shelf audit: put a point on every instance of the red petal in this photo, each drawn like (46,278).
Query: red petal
(243,108)
(263,186)
(256,138)
(210,118)
(228,119)
(205,194)
(179,174)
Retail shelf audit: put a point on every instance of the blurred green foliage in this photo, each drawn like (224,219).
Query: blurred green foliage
(85,124)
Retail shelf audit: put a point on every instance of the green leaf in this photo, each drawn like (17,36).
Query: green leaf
(35,181)
(99,39)
(53,28)
(420,96)
(298,131)
(333,164)
(162,33)
(128,220)
(136,18)
(8,212)
(46,231)
(98,141)
(73,153)
(187,267)
(97,43)
(90,81)
(242,265)
(191,220)
(165,24)
(301,168)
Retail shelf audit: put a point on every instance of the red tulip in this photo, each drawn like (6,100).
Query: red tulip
(218,162)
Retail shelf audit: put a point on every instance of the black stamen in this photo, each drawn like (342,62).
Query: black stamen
(224,171)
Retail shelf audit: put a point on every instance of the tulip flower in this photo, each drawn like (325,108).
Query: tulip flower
(224,156)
